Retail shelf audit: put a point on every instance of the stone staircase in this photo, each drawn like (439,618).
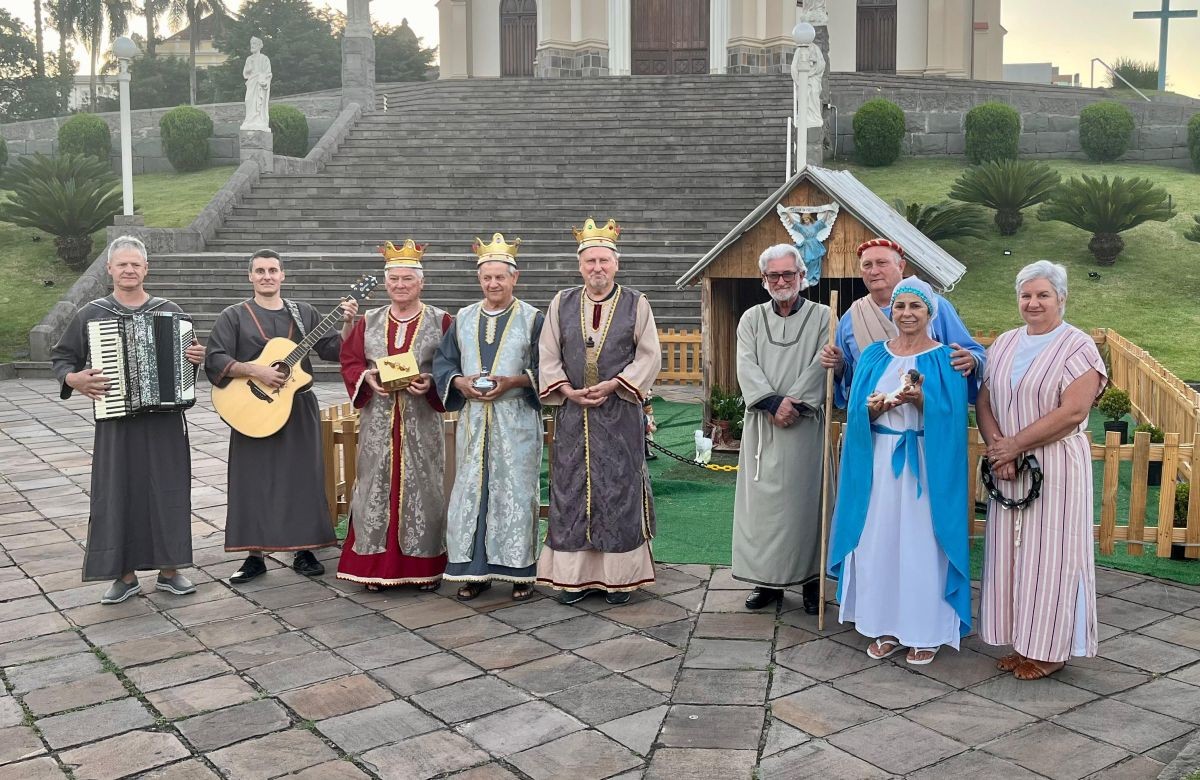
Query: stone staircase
(677,161)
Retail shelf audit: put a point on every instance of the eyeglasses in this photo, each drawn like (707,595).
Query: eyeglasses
(786,276)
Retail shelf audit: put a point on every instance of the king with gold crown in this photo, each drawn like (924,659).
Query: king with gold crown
(397,530)
(486,370)
(599,359)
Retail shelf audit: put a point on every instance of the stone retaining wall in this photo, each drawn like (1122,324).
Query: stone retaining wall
(41,135)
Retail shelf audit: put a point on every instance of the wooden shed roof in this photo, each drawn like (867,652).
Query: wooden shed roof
(936,265)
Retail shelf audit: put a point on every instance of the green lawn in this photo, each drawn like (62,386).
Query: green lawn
(1150,296)
(28,262)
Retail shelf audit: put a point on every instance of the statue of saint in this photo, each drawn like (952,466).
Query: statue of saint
(257,74)
(813,116)
(813,12)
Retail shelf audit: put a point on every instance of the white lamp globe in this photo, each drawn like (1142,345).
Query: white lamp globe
(804,33)
(124,48)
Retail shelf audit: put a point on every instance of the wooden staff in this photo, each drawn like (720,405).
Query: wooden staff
(826,461)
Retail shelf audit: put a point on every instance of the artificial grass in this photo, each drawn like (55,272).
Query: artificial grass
(28,261)
(1148,296)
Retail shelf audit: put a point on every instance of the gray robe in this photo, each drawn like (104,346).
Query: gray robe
(777,504)
(277,483)
(141,498)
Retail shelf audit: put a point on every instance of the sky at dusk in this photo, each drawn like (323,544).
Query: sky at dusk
(1067,33)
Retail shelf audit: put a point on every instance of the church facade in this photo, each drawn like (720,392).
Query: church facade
(565,38)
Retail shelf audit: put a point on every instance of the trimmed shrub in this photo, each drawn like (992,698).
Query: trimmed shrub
(1105,130)
(289,131)
(1006,186)
(1194,141)
(993,132)
(85,134)
(878,131)
(185,134)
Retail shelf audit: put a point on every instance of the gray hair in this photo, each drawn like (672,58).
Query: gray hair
(780,252)
(1054,273)
(512,269)
(127,242)
(418,271)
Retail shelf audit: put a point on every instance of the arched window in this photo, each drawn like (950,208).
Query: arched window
(518,37)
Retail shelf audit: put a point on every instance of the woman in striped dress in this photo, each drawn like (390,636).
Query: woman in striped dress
(1040,381)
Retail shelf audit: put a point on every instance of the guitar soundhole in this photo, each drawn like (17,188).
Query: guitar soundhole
(282,368)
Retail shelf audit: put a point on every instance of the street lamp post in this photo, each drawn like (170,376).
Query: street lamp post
(803,34)
(124,50)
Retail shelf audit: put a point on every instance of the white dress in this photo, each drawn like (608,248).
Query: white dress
(896,577)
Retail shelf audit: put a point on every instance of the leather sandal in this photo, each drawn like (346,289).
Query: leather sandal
(522,591)
(1009,662)
(471,590)
(1029,670)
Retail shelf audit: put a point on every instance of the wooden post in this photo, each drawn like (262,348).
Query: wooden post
(826,461)
(1108,507)
(1166,496)
(329,458)
(1192,534)
(1134,543)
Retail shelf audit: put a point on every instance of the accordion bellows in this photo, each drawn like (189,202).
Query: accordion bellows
(143,357)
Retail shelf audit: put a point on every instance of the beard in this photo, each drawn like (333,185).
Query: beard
(784,295)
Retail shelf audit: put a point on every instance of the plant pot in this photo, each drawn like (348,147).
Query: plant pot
(1122,427)
(1154,473)
(723,440)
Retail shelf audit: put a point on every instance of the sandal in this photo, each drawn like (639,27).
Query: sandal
(522,591)
(1029,670)
(428,586)
(471,590)
(912,660)
(1010,662)
(884,647)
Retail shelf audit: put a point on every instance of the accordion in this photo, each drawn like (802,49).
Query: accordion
(143,357)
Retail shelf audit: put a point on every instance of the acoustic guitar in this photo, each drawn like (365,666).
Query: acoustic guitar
(258,411)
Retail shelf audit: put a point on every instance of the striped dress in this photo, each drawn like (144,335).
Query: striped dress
(1040,597)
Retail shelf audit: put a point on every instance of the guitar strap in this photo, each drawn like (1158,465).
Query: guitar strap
(294,310)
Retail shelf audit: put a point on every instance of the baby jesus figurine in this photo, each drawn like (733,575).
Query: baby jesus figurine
(909,380)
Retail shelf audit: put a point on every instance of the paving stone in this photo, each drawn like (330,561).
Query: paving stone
(1126,614)
(192,769)
(628,652)
(309,615)
(555,673)
(817,760)
(485,772)
(896,745)
(1055,752)
(387,650)
(1168,752)
(796,617)
(668,580)
(637,731)
(721,686)
(371,727)
(331,770)
(659,676)
(678,633)
(1190,674)
(824,659)
(536,614)
(104,720)
(603,700)
(55,671)
(17,743)
(584,755)
(781,737)
(1123,725)
(423,757)
(354,630)
(124,755)
(11,713)
(275,754)
(1136,768)
(183,701)
(785,681)
(428,613)
(726,601)
(304,592)
(115,631)
(1048,698)
(1170,697)
(210,611)
(469,699)
(37,648)
(467,631)
(722,579)
(891,687)
(967,718)
(960,669)
(1110,580)
(80,693)
(1178,630)
(647,613)
(19,608)
(1100,675)
(540,722)
(1162,596)
(691,600)
(580,632)
(335,697)
(198,666)
(675,764)
(217,729)
(236,631)
(151,649)
(728,727)
(727,654)
(423,674)
(260,652)
(734,625)
(823,710)
(44,768)
(974,764)
(279,676)
(506,651)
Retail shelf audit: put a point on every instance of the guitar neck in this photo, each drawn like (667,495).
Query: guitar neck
(314,335)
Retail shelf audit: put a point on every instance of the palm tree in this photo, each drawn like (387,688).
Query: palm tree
(193,11)
(1106,209)
(1006,186)
(37,38)
(945,220)
(152,9)
(63,15)
(94,16)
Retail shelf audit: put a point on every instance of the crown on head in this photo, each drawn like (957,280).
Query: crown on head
(407,256)
(497,250)
(590,235)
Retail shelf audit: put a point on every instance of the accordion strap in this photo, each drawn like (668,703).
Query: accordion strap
(294,310)
(149,306)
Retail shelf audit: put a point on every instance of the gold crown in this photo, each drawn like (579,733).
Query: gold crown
(499,250)
(407,256)
(591,235)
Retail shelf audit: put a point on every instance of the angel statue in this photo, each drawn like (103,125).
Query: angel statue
(809,227)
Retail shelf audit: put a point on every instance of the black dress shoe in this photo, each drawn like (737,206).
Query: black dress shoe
(618,598)
(252,567)
(811,593)
(307,564)
(574,596)
(761,597)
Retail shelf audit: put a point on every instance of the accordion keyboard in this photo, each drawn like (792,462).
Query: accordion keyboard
(108,354)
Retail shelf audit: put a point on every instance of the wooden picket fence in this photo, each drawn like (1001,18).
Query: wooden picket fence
(681,357)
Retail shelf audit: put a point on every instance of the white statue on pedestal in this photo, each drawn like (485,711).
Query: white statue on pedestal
(813,12)
(257,74)
(358,16)
(816,71)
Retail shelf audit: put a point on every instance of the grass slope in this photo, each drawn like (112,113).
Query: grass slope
(27,259)
(1149,296)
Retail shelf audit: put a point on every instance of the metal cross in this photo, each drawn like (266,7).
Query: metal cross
(1164,16)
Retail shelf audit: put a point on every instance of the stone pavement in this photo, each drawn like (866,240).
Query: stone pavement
(321,679)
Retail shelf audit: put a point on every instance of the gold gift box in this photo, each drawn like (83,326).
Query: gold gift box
(397,372)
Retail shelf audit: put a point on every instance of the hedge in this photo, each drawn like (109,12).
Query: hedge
(1193,139)
(85,134)
(290,131)
(878,131)
(993,132)
(1105,130)
(185,134)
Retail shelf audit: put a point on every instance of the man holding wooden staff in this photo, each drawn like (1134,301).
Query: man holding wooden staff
(776,517)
